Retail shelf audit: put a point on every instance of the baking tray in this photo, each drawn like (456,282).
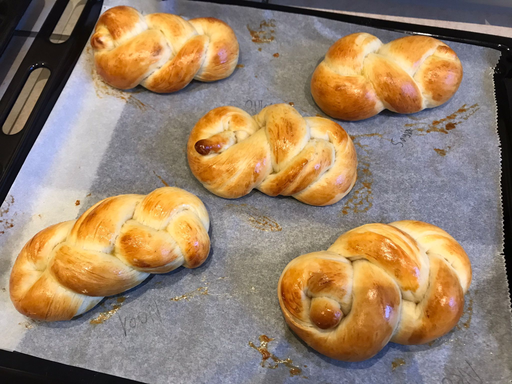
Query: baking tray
(15,366)
(11,13)
(60,59)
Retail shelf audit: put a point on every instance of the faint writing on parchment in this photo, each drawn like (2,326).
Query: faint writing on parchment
(444,125)
(255,217)
(267,357)
(148,315)
(465,374)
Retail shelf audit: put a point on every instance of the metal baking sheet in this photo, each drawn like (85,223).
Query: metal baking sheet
(215,323)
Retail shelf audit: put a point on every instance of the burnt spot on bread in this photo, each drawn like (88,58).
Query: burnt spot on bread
(205,146)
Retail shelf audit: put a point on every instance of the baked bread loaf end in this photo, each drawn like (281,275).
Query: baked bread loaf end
(359,76)
(403,282)
(66,269)
(160,51)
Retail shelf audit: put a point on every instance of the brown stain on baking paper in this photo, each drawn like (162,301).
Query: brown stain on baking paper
(360,199)
(467,314)
(161,179)
(291,103)
(27,324)
(77,203)
(105,315)
(440,152)
(446,124)
(264,33)
(103,89)
(397,363)
(255,218)
(240,66)
(187,296)
(6,224)
(276,54)
(266,355)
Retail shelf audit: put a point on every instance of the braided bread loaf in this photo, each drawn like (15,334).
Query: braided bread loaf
(403,282)
(160,51)
(277,152)
(360,77)
(68,268)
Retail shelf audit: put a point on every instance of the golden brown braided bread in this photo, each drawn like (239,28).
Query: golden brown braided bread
(278,152)
(403,282)
(68,268)
(360,76)
(160,51)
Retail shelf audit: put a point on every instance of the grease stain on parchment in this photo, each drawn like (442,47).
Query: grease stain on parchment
(189,295)
(360,199)
(397,363)
(103,89)
(446,124)
(467,314)
(255,217)
(264,33)
(161,179)
(266,355)
(29,324)
(6,223)
(105,315)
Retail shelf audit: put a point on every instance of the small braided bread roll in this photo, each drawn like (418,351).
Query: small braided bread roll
(68,268)
(277,151)
(160,51)
(360,77)
(403,282)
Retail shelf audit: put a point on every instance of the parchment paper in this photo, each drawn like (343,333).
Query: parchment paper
(441,166)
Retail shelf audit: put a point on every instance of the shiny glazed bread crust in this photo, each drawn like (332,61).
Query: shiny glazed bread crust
(66,269)
(277,151)
(359,76)
(403,282)
(160,51)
